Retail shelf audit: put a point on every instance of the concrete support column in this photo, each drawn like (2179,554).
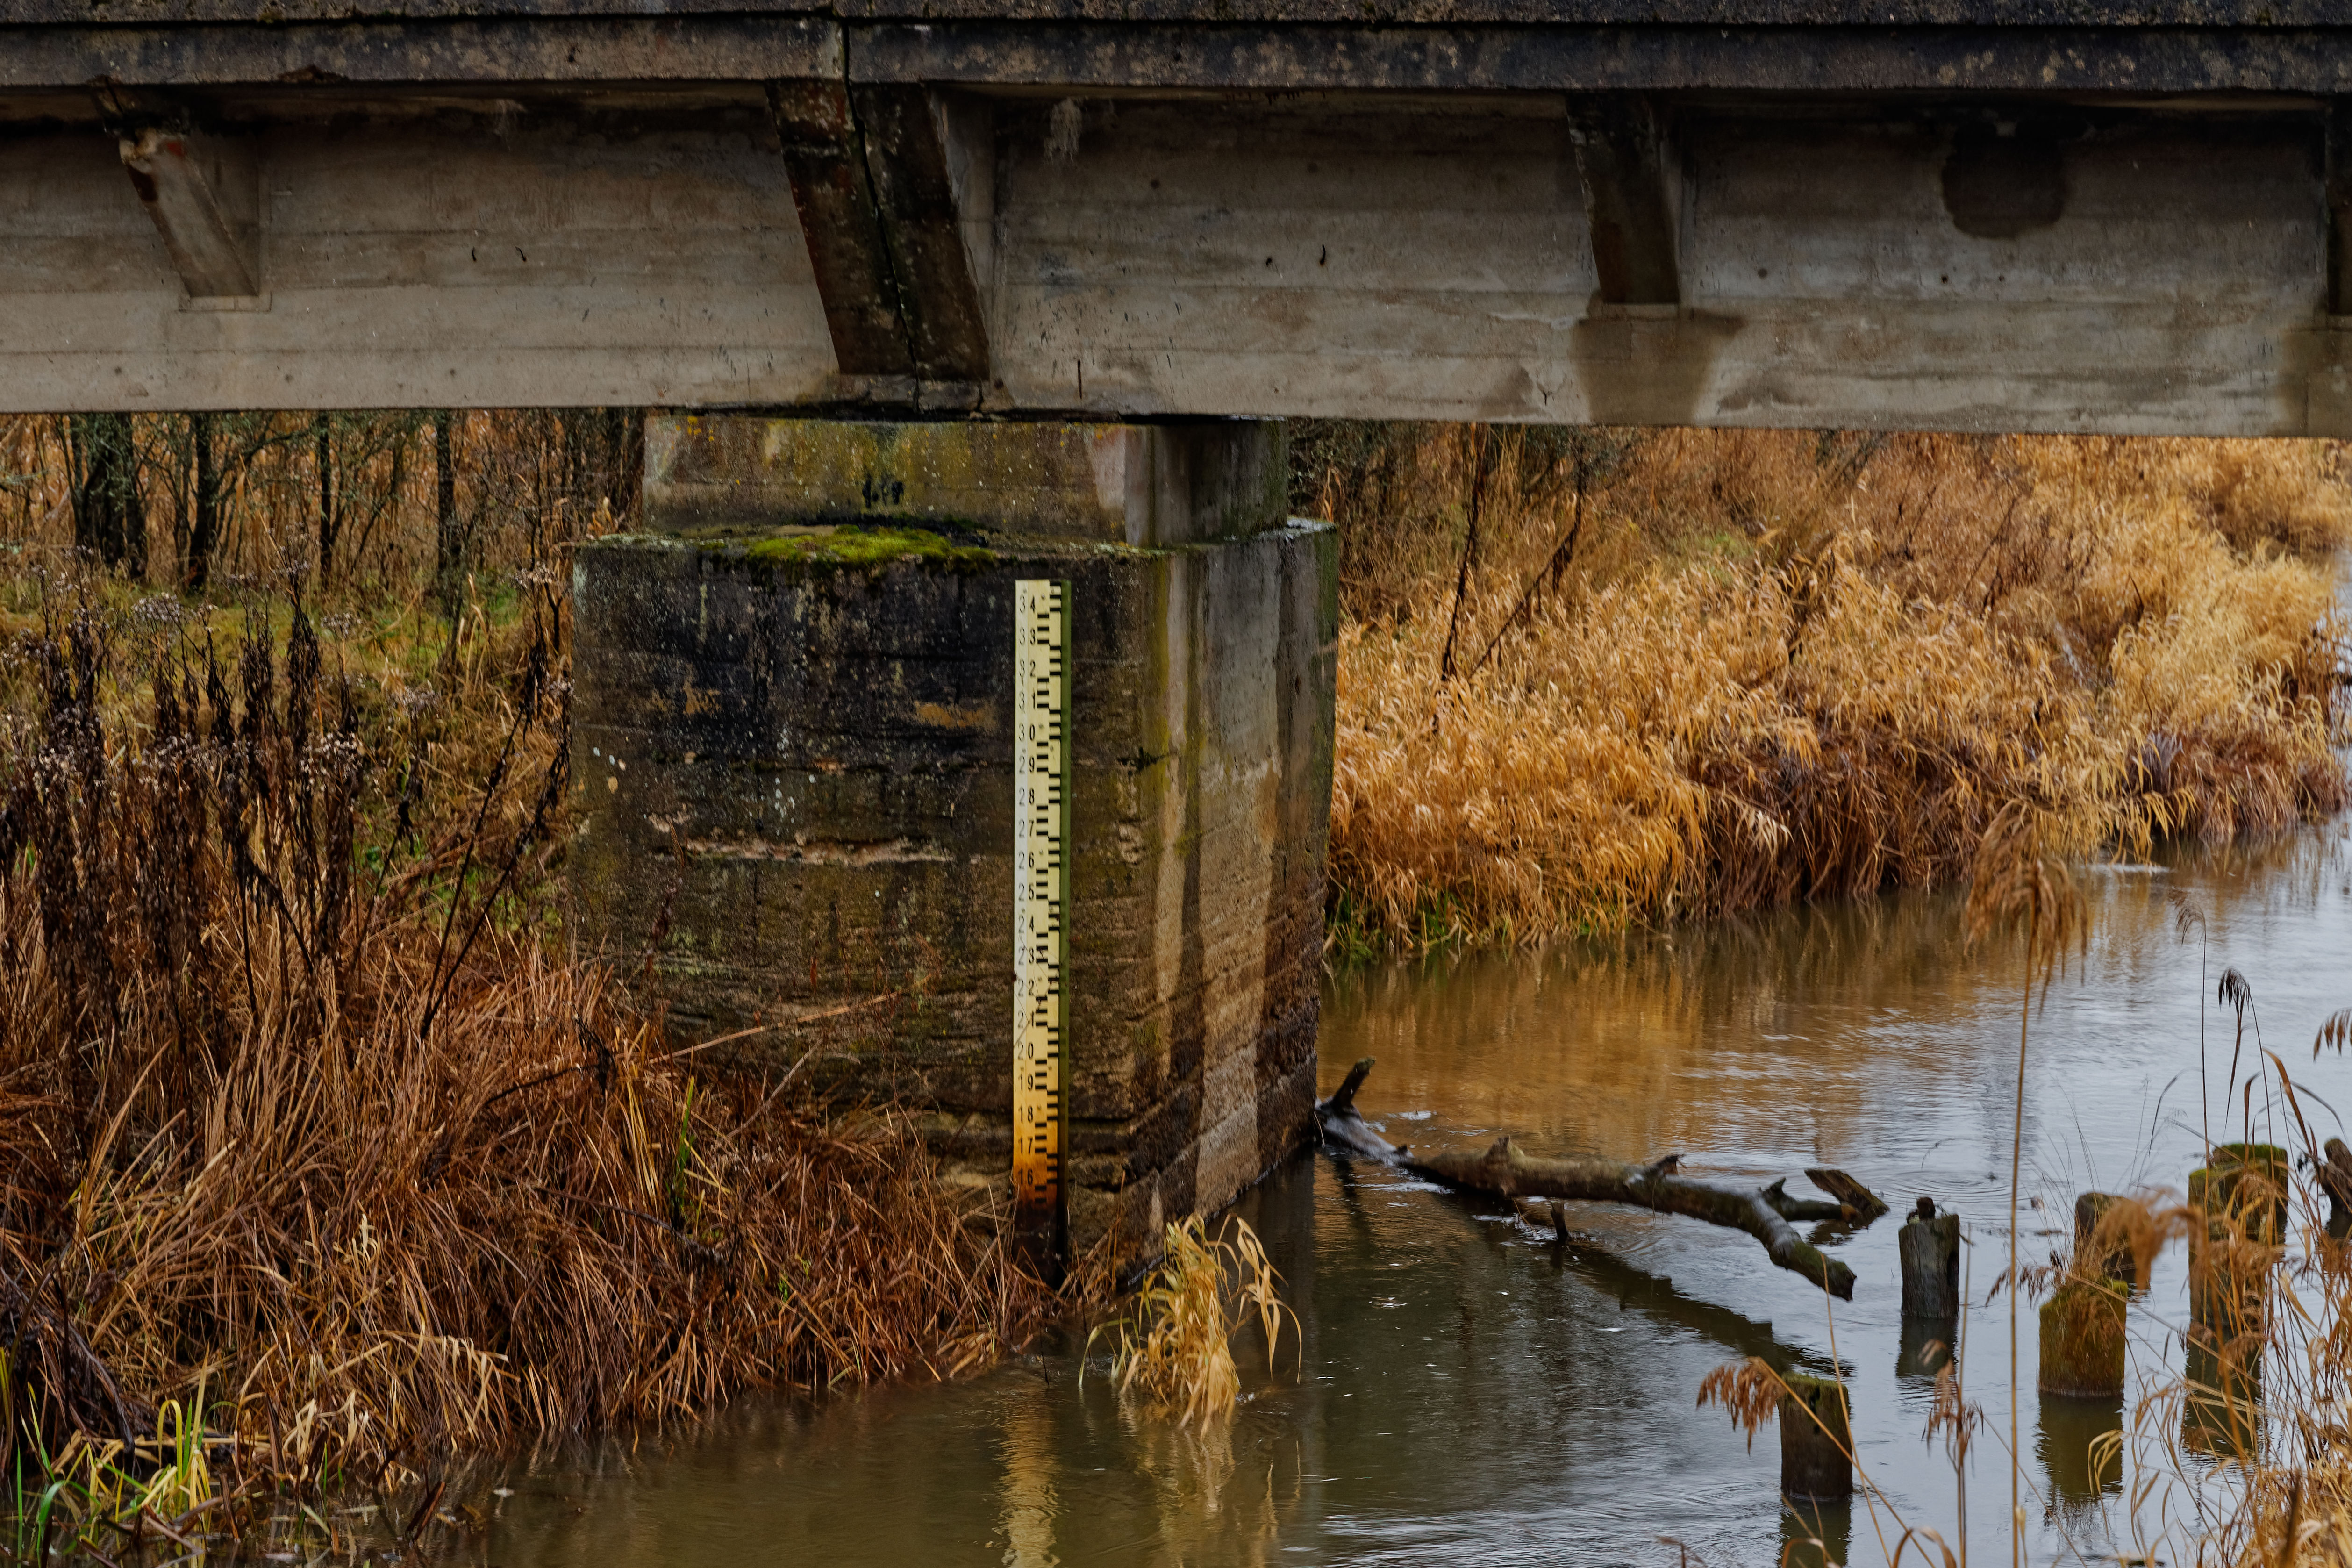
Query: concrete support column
(793,706)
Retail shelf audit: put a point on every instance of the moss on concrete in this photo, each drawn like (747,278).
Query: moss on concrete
(853,546)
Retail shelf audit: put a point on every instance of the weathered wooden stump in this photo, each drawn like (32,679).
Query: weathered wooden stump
(2082,1338)
(1930,1246)
(2241,1197)
(1816,1449)
(2101,1255)
(2245,1185)
(2334,1174)
(2230,1286)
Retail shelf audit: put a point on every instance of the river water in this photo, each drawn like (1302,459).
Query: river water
(1470,1390)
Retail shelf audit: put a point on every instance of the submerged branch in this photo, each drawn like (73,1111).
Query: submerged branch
(1635,1289)
(1503,1170)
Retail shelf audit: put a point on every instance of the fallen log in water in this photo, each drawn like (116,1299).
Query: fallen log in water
(1503,1170)
(1341,1124)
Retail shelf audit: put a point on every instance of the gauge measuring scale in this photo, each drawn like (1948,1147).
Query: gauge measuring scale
(1041,889)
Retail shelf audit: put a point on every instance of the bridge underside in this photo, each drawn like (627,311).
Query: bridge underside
(2132,231)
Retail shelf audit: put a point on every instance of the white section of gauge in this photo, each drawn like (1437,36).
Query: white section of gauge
(1041,741)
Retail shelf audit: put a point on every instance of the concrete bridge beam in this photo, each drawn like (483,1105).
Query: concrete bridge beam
(1556,257)
(889,181)
(2338,164)
(203,200)
(1630,197)
(1758,227)
(792,737)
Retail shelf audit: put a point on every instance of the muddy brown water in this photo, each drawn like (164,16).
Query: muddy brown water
(1468,1390)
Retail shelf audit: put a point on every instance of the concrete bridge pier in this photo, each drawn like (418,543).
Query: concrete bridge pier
(792,739)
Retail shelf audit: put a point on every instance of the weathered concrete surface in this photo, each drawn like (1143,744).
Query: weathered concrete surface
(2125,215)
(2054,266)
(1430,45)
(1803,16)
(792,740)
(440,262)
(1322,260)
(1179,483)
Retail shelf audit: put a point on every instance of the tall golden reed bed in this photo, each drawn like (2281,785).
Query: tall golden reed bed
(1593,678)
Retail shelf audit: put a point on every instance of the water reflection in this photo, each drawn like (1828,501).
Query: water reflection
(2065,1440)
(1028,1518)
(1925,1348)
(1816,1535)
(1655,1296)
(1473,1388)
(2221,1404)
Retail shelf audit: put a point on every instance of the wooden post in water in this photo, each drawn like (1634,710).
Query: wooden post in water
(1816,1449)
(1929,1245)
(2240,1199)
(2245,1185)
(2083,1322)
(2097,1256)
(2082,1340)
(2239,1196)
(2334,1174)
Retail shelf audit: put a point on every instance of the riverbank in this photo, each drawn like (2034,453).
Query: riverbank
(324,1154)
(1867,1035)
(1592,680)
(316,1145)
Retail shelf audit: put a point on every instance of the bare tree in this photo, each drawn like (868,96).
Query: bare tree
(102,471)
(448,543)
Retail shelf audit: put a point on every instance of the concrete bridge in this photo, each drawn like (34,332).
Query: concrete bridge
(944,294)
(2122,214)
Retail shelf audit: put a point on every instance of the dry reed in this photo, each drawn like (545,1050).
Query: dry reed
(307,1137)
(1686,672)
(2019,887)
(310,1138)
(1174,1351)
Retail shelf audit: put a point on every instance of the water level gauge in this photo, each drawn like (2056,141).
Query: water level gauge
(1041,884)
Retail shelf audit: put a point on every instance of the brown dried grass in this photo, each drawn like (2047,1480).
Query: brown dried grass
(1700,671)
(298,1108)
(1173,1350)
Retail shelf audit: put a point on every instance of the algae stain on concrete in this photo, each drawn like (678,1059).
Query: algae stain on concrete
(851,546)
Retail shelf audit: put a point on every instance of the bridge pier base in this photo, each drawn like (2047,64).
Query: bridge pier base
(794,697)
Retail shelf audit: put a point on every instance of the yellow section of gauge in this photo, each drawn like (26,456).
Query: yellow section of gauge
(1041,882)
